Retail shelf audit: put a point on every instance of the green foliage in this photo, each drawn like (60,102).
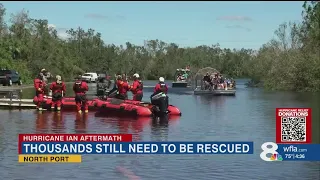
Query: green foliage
(290,62)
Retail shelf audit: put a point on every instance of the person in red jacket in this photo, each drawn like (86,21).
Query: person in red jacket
(161,87)
(123,88)
(124,77)
(80,88)
(137,88)
(58,89)
(39,86)
(161,102)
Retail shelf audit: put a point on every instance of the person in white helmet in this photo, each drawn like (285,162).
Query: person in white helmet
(137,88)
(157,98)
(58,89)
(161,87)
(45,75)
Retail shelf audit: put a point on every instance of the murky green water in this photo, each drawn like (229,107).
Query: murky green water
(249,116)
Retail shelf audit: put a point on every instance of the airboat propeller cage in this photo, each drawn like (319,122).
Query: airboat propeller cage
(201,73)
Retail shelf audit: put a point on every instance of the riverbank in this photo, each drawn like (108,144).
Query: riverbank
(16,87)
(254,84)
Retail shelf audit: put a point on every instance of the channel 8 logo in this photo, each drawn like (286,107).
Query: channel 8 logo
(270,148)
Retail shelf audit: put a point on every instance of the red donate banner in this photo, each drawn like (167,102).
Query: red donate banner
(73,138)
(293,125)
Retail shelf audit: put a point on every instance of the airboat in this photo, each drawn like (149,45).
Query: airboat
(200,86)
(183,78)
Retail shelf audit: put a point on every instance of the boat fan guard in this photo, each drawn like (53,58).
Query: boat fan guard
(202,72)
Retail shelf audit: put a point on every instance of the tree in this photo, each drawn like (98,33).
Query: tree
(291,61)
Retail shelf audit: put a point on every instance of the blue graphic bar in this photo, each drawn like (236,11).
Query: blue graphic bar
(299,152)
(137,148)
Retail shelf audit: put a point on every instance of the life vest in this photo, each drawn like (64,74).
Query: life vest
(57,87)
(140,87)
(78,87)
(119,83)
(123,87)
(40,82)
(162,87)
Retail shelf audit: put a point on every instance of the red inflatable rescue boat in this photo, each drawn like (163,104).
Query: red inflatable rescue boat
(130,107)
(68,103)
(110,106)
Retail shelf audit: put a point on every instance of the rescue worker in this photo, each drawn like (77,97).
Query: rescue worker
(162,103)
(207,81)
(161,87)
(58,89)
(124,78)
(206,78)
(39,86)
(101,87)
(45,74)
(108,79)
(222,82)
(137,88)
(113,92)
(233,83)
(179,76)
(214,81)
(123,88)
(80,88)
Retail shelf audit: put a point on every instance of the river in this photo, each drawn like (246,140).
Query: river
(249,116)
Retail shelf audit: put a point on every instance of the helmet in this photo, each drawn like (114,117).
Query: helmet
(136,75)
(58,78)
(161,79)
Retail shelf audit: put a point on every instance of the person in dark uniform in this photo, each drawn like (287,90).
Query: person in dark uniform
(207,81)
(102,87)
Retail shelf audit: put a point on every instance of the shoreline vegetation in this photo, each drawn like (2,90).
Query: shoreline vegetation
(291,61)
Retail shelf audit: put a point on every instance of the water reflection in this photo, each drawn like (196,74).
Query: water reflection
(209,99)
(41,122)
(160,129)
(134,126)
(80,124)
(58,123)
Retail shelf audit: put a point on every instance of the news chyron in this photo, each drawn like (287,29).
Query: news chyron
(68,148)
(292,143)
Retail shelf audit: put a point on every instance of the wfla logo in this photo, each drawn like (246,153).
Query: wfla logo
(272,149)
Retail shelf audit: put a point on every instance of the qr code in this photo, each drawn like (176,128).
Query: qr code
(293,129)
